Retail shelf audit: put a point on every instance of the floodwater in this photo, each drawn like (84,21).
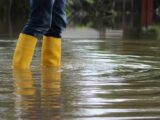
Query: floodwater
(110,79)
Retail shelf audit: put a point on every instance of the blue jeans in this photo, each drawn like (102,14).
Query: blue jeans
(47,17)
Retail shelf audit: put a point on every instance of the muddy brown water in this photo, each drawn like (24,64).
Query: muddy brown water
(111,79)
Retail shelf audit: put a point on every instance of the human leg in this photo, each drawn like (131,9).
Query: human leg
(39,22)
(51,46)
(40,18)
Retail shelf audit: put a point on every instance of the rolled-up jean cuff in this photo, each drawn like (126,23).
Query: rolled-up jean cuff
(36,34)
(53,35)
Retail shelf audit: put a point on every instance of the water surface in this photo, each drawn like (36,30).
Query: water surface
(111,79)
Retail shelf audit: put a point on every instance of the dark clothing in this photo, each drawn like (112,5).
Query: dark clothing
(47,17)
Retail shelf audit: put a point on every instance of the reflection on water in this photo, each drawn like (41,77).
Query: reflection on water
(25,92)
(108,79)
(32,104)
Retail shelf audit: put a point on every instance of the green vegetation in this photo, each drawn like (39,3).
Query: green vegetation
(97,14)
(14,7)
(82,12)
(93,13)
(152,31)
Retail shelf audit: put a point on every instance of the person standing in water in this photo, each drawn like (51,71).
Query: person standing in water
(48,19)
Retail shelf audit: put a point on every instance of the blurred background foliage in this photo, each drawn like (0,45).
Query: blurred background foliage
(93,13)
(97,14)
(82,12)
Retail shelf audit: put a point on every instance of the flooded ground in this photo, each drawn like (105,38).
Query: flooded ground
(111,79)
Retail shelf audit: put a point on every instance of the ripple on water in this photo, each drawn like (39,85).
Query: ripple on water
(99,80)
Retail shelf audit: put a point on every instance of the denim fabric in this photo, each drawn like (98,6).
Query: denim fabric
(47,17)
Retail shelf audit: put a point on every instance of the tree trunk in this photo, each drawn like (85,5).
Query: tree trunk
(102,33)
(9,19)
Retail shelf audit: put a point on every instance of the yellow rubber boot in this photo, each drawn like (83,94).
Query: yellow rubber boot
(51,52)
(24,51)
